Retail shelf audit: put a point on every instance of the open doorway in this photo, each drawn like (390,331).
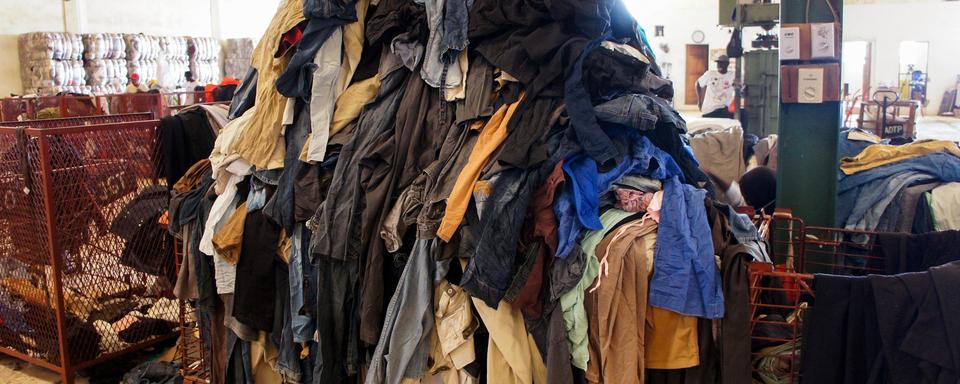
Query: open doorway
(856,68)
(913,70)
(857,59)
(916,62)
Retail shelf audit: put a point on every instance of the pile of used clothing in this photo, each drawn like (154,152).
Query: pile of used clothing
(911,188)
(466,191)
(154,372)
(106,320)
(899,328)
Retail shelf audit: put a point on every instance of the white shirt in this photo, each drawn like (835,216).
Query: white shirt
(190,89)
(733,196)
(719,90)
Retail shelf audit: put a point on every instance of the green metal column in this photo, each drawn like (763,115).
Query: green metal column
(808,163)
(762,95)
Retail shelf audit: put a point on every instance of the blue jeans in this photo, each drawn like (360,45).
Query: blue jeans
(303,325)
(239,366)
(409,319)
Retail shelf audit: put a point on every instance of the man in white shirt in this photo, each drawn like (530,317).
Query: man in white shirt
(191,87)
(715,90)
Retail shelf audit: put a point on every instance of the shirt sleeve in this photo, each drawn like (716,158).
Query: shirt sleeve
(702,81)
(733,195)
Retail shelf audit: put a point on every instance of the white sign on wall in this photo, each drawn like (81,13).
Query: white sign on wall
(822,41)
(810,85)
(790,43)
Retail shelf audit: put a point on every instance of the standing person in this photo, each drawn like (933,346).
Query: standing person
(135,86)
(191,86)
(715,90)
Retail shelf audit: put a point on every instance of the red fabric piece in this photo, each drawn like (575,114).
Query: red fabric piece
(541,226)
(290,39)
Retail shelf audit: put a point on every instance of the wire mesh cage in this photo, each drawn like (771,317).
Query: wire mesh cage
(783,293)
(86,267)
(841,252)
(80,121)
(778,303)
(32,108)
(17,109)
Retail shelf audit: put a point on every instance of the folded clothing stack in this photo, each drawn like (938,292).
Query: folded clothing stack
(50,62)
(143,54)
(237,54)
(104,59)
(205,59)
(174,61)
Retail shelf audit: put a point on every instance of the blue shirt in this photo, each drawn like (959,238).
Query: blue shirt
(577,205)
(685,275)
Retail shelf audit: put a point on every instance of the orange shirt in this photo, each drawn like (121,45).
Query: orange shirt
(494,133)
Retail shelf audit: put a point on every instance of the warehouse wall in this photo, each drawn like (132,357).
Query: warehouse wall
(886,25)
(151,17)
(680,19)
(246,18)
(231,19)
(21,17)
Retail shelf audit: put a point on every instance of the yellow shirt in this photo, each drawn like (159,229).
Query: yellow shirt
(351,102)
(879,154)
(671,340)
(229,241)
(262,143)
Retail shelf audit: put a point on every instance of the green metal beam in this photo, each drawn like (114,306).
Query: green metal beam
(808,139)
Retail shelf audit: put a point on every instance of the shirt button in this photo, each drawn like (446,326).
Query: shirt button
(451,292)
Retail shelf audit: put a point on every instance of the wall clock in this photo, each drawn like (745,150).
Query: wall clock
(698,36)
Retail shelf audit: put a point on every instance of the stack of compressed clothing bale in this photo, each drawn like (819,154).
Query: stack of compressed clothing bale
(104,59)
(237,54)
(50,62)
(205,59)
(143,54)
(173,62)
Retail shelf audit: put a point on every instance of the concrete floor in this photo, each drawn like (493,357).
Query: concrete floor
(928,127)
(938,128)
(13,371)
(16,371)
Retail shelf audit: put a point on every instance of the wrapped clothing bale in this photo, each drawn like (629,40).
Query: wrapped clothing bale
(237,55)
(205,59)
(173,62)
(143,54)
(50,62)
(104,62)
